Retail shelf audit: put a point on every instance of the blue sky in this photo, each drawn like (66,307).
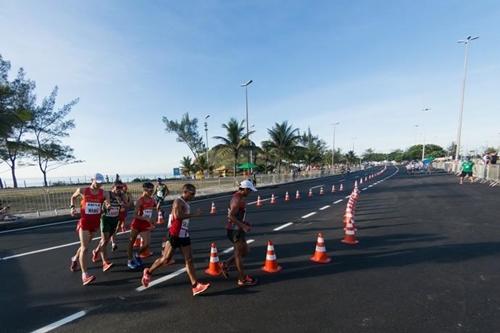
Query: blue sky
(371,65)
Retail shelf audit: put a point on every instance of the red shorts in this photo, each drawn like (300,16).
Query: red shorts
(140,225)
(88,225)
(122,216)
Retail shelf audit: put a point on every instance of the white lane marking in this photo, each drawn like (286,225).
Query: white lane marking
(364,188)
(347,196)
(254,202)
(61,322)
(324,207)
(336,202)
(283,226)
(370,185)
(317,186)
(308,215)
(52,248)
(178,272)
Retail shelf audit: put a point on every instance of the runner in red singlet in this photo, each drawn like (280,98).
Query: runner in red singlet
(237,227)
(179,238)
(141,224)
(90,219)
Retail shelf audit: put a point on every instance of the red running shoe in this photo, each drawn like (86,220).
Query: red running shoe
(74,265)
(200,287)
(95,256)
(146,277)
(106,266)
(247,282)
(86,279)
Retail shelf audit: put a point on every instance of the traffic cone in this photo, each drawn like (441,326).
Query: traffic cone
(138,242)
(350,234)
(273,199)
(213,210)
(259,202)
(333,188)
(214,268)
(271,265)
(341,188)
(287,196)
(297,195)
(160,220)
(361,181)
(321,191)
(355,184)
(310,194)
(320,255)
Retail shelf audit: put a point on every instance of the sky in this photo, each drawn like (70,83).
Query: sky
(370,65)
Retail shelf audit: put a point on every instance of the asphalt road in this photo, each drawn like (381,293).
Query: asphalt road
(427,261)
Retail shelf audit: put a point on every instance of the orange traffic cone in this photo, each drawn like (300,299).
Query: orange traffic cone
(341,188)
(321,191)
(320,255)
(333,188)
(259,202)
(297,195)
(160,220)
(350,234)
(271,265)
(138,242)
(310,194)
(214,267)
(287,196)
(213,210)
(273,199)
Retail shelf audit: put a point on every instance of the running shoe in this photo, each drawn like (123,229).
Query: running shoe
(138,260)
(74,265)
(200,287)
(132,264)
(106,266)
(146,277)
(95,255)
(114,247)
(223,269)
(86,279)
(247,282)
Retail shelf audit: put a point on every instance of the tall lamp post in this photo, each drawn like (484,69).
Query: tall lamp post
(466,42)
(333,143)
(246,84)
(206,137)
(423,141)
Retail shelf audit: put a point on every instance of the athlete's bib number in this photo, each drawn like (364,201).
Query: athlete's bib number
(113,212)
(93,208)
(147,213)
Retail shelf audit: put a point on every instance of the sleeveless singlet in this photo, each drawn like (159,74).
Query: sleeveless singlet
(240,215)
(90,206)
(180,228)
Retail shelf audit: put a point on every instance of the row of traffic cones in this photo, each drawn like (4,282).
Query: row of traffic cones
(349,224)
(271,263)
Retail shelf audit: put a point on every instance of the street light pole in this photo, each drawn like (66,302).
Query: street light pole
(206,137)
(333,143)
(459,130)
(250,156)
(423,141)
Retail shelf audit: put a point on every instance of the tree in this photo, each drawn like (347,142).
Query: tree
(48,126)
(351,157)
(396,155)
(187,166)
(20,100)
(283,141)
(187,132)
(234,142)
(371,155)
(312,150)
(431,150)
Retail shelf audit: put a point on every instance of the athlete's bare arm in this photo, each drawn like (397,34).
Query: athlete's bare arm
(179,210)
(234,207)
(75,195)
(137,211)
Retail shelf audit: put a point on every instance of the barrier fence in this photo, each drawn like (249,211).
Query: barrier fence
(488,172)
(38,202)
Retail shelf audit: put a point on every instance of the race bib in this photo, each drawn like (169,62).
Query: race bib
(147,213)
(93,208)
(113,212)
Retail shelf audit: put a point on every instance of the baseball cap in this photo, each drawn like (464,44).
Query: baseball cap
(99,179)
(248,184)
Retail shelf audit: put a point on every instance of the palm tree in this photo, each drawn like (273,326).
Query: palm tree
(313,148)
(187,166)
(235,140)
(351,157)
(283,141)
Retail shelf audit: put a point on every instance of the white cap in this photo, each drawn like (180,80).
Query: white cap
(248,184)
(99,179)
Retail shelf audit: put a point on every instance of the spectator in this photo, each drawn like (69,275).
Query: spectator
(493,158)
(486,159)
(3,211)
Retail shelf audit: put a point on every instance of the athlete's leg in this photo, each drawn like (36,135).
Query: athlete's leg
(133,236)
(85,238)
(240,251)
(188,258)
(166,257)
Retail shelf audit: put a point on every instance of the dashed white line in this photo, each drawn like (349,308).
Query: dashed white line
(283,226)
(324,207)
(308,215)
(232,248)
(36,227)
(336,202)
(317,186)
(347,196)
(364,188)
(61,322)
(370,185)
(254,202)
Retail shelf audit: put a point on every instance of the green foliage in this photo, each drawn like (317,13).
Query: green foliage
(187,166)
(351,157)
(371,155)
(187,132)
(283,142)
(396,155)
(431,150)
(312,150)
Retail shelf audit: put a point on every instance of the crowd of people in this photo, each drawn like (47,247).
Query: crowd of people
(107,211)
